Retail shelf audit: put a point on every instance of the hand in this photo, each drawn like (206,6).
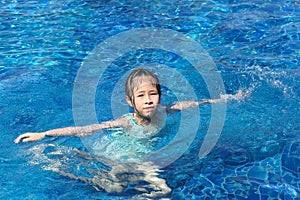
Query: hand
(204,101)
(216,101)
(29,137)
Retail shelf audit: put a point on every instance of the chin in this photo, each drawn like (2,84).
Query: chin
(147,115)
(150,114)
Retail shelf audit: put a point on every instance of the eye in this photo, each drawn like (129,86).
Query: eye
(153,92)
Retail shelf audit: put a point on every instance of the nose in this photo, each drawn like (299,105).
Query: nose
(148,99)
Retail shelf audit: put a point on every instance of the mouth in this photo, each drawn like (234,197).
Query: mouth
(148,108)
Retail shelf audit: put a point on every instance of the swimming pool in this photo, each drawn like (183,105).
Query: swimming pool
(255,46)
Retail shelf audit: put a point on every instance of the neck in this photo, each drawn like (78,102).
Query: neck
(142,120)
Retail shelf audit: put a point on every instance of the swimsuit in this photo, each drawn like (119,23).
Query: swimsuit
(148,131)
(130,145)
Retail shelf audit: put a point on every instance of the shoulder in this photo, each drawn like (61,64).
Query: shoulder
(122,121)
(119,122)
(131,120)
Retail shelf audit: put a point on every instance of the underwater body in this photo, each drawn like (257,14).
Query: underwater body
(254,46)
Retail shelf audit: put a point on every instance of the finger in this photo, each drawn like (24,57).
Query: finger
(27,139)
(21,137)
(18,139)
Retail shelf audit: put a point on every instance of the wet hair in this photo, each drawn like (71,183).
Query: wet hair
(138,77)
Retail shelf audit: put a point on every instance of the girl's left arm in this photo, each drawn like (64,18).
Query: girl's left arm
(181,105)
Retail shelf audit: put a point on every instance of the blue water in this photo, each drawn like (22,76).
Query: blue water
(255,46)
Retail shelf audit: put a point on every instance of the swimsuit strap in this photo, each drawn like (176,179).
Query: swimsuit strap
(131,119)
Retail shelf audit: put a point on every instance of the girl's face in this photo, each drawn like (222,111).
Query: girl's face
(146,100)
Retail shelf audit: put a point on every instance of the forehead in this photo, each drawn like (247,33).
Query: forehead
(140,80)
(145,87)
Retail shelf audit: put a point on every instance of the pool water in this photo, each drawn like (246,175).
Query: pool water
(255,46)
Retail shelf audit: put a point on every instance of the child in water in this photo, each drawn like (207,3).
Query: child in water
(143,93)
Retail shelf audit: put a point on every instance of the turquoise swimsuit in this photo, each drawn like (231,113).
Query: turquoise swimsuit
(149,131)
(130,145)
(131,119)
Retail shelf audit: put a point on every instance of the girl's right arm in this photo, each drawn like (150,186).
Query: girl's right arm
(78,131)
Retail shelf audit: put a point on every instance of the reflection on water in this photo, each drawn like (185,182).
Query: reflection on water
(100,172)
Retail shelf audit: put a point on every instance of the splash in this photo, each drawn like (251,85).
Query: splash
(239,96)
(276,79)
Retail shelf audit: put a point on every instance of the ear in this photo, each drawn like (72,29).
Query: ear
(129,101)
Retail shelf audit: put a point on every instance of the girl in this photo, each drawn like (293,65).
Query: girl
(143,93)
